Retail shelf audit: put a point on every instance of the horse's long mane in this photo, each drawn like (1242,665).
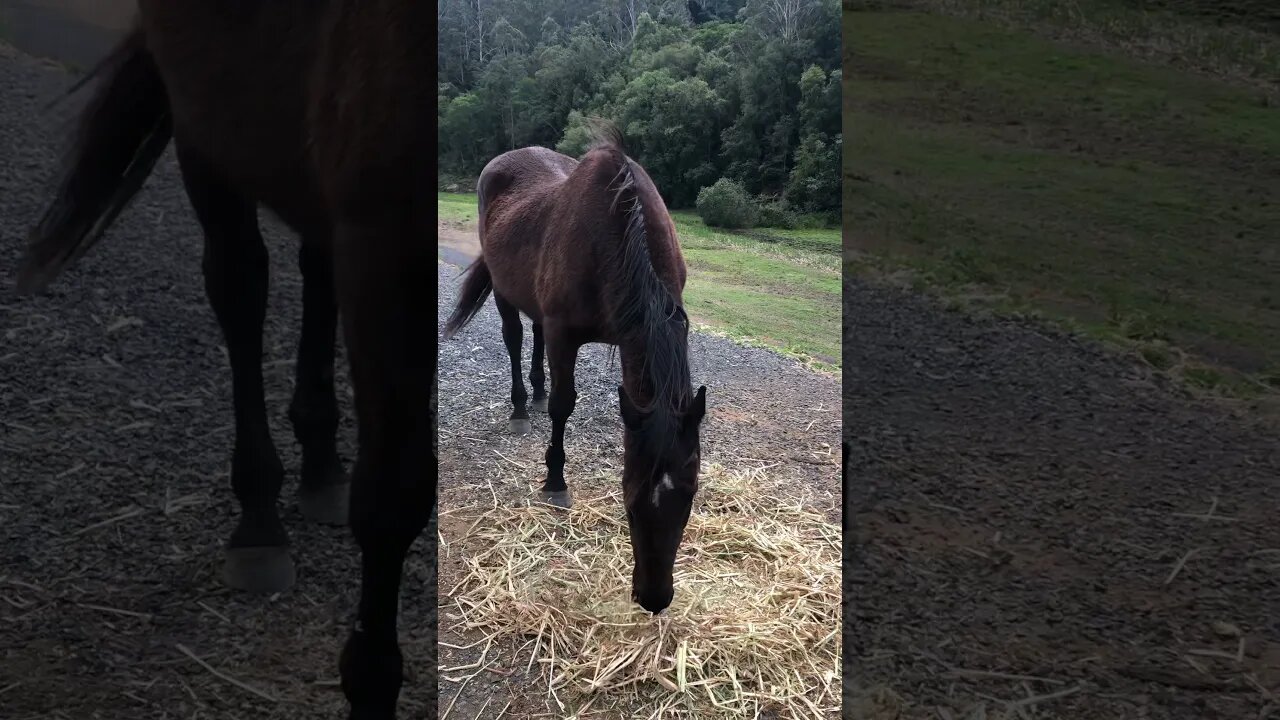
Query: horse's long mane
(647,312)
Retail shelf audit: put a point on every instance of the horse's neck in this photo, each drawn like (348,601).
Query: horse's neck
(637,376)
(635,373)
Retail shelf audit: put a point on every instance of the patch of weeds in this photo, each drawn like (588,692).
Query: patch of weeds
(796,241)
(1205,377)
(1134,324)
(1270,378)
(964,266)
(1159,356)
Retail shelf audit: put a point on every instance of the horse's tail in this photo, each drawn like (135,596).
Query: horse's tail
(479,283)
(475,290)
(122,133)
(648,314)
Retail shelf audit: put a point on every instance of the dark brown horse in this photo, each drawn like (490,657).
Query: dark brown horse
(588,252)
(318,110)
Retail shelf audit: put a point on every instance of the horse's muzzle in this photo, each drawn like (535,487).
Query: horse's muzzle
(654,601)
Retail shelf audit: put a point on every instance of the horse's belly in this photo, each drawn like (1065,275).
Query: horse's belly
(515,283)
(236,78)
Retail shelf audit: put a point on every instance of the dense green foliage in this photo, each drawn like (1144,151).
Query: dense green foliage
(744,89)
(727,204)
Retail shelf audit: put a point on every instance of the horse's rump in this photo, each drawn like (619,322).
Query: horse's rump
(517,198)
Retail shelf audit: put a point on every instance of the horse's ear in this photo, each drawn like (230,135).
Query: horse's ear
(697,408)
(631,415)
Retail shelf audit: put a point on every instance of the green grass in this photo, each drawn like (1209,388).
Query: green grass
(777,288)
(456,207)
(1229,38)
(1135,201)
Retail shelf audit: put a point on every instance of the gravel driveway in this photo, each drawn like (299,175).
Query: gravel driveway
(1033,519)
(115,439)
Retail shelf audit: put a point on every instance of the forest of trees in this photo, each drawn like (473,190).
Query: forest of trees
(702,89)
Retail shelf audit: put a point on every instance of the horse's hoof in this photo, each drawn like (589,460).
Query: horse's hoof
(520,426)
(372,713)
(262,570)
(539,404)
(559,498)
(326,504)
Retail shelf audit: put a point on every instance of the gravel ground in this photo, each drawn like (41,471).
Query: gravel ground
(1032,519)
(115,439)
(762,410)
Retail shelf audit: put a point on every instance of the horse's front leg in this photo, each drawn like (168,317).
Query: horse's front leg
(562,353)
(384,295)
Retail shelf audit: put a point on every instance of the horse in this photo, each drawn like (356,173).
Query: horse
(588,251)
(317,110)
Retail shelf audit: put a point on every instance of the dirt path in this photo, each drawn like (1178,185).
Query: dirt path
(458,243)
(115,439)
(1031,520)
(763,409)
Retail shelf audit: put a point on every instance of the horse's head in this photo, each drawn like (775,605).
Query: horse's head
(660,479)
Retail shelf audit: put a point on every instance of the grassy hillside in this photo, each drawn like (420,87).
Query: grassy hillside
(1004,165)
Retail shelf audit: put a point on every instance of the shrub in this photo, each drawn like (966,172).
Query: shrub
(775,213)
(727,204)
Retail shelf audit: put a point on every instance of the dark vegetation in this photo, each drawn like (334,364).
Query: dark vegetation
(748,91)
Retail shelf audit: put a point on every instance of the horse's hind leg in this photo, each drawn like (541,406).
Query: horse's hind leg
(562,351)
(384,295)
(537,377)
(325,489)
(236,277)
(513,337)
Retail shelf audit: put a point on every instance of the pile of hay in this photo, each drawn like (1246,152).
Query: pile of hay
(754,628)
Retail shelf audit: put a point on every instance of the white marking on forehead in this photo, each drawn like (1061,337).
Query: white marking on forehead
(657,489)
